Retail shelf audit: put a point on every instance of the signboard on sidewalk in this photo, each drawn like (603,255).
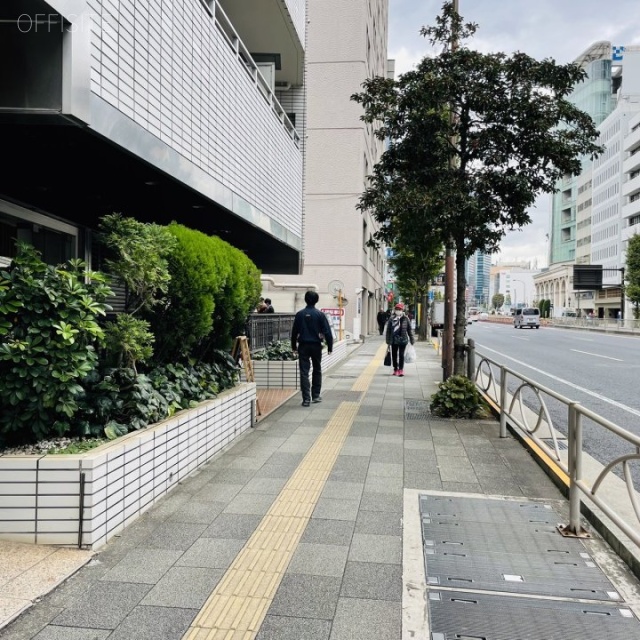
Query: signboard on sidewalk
(333,311)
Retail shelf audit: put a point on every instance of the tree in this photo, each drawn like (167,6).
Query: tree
(474,139)
(498,300)
(632,274)
(414,270)
(139,253)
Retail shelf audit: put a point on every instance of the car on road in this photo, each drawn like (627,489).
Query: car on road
(527,317)
(484,316)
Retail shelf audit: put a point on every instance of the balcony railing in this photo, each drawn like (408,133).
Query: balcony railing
(244,57)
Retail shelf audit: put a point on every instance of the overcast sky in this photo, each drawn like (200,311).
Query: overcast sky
(559,29)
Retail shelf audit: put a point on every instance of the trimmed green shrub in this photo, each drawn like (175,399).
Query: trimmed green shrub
(48,338)
(213,288)
(199,270)
(237,299)
(458,397)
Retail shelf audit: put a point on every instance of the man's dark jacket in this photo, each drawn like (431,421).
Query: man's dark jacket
(311,326)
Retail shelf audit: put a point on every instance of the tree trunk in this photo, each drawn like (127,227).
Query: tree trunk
(423,330)
(459,368)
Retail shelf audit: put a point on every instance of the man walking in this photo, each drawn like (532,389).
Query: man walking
(310,328)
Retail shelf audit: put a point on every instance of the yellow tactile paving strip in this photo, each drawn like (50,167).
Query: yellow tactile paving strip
(236,608)
(365,378)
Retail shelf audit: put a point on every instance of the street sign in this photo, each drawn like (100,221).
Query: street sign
(333,311)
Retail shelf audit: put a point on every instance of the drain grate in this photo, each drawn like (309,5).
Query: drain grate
(562,444)
(344,377)
(416,410)
(473,616)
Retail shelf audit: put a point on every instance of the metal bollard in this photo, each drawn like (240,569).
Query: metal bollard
(471,358)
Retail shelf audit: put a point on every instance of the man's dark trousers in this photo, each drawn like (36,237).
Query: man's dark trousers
(310,353)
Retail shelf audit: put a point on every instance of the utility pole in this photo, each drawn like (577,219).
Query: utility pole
(449,265)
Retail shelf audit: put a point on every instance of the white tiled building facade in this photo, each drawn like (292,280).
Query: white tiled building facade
(177,87)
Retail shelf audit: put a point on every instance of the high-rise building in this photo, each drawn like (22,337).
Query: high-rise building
(595,96)
(478,279)
(186,110)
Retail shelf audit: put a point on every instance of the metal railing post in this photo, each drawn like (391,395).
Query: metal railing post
(575,468)
(503,403)
(471,358)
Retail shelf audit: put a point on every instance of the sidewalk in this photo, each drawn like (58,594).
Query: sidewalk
(310,527)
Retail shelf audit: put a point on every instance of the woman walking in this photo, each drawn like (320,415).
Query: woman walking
(399,334)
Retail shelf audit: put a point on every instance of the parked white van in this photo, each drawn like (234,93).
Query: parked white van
(527,317)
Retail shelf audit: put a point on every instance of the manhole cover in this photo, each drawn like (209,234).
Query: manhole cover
(416,410)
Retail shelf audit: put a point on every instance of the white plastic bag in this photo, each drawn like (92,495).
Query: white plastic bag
(409,354)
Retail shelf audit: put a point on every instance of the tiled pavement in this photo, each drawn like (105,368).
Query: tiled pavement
(344,579)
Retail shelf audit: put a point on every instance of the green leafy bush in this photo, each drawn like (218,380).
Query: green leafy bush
(128,341)
(48,338)
(137,255)
(279,350)
(458,397)
(122,400)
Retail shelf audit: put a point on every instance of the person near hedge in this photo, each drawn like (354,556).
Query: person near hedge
(382,318)
(399,334)
(310,329)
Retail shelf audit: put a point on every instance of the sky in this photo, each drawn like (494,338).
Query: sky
(558,29)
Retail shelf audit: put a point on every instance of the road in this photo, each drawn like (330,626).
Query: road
(600,371)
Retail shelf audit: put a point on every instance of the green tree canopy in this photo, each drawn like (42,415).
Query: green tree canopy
(632,274)
(498,300)
(474,139)
(415,267)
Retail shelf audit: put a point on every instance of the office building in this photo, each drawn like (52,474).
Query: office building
(186,110)
(595,96)
(347,43)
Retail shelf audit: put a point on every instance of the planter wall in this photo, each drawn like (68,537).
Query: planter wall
(284,374)
(40,496)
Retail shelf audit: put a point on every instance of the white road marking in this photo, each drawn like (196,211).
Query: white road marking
(597,355)
(619,405)
(519,338)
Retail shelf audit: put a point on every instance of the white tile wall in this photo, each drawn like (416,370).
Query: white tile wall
(167,66)
(40,496)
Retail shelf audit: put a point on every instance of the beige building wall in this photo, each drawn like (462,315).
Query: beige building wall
(346,44)
(583,217)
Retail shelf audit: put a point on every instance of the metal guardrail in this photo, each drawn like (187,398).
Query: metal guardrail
(629,325)
(263,328)
(519,398)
